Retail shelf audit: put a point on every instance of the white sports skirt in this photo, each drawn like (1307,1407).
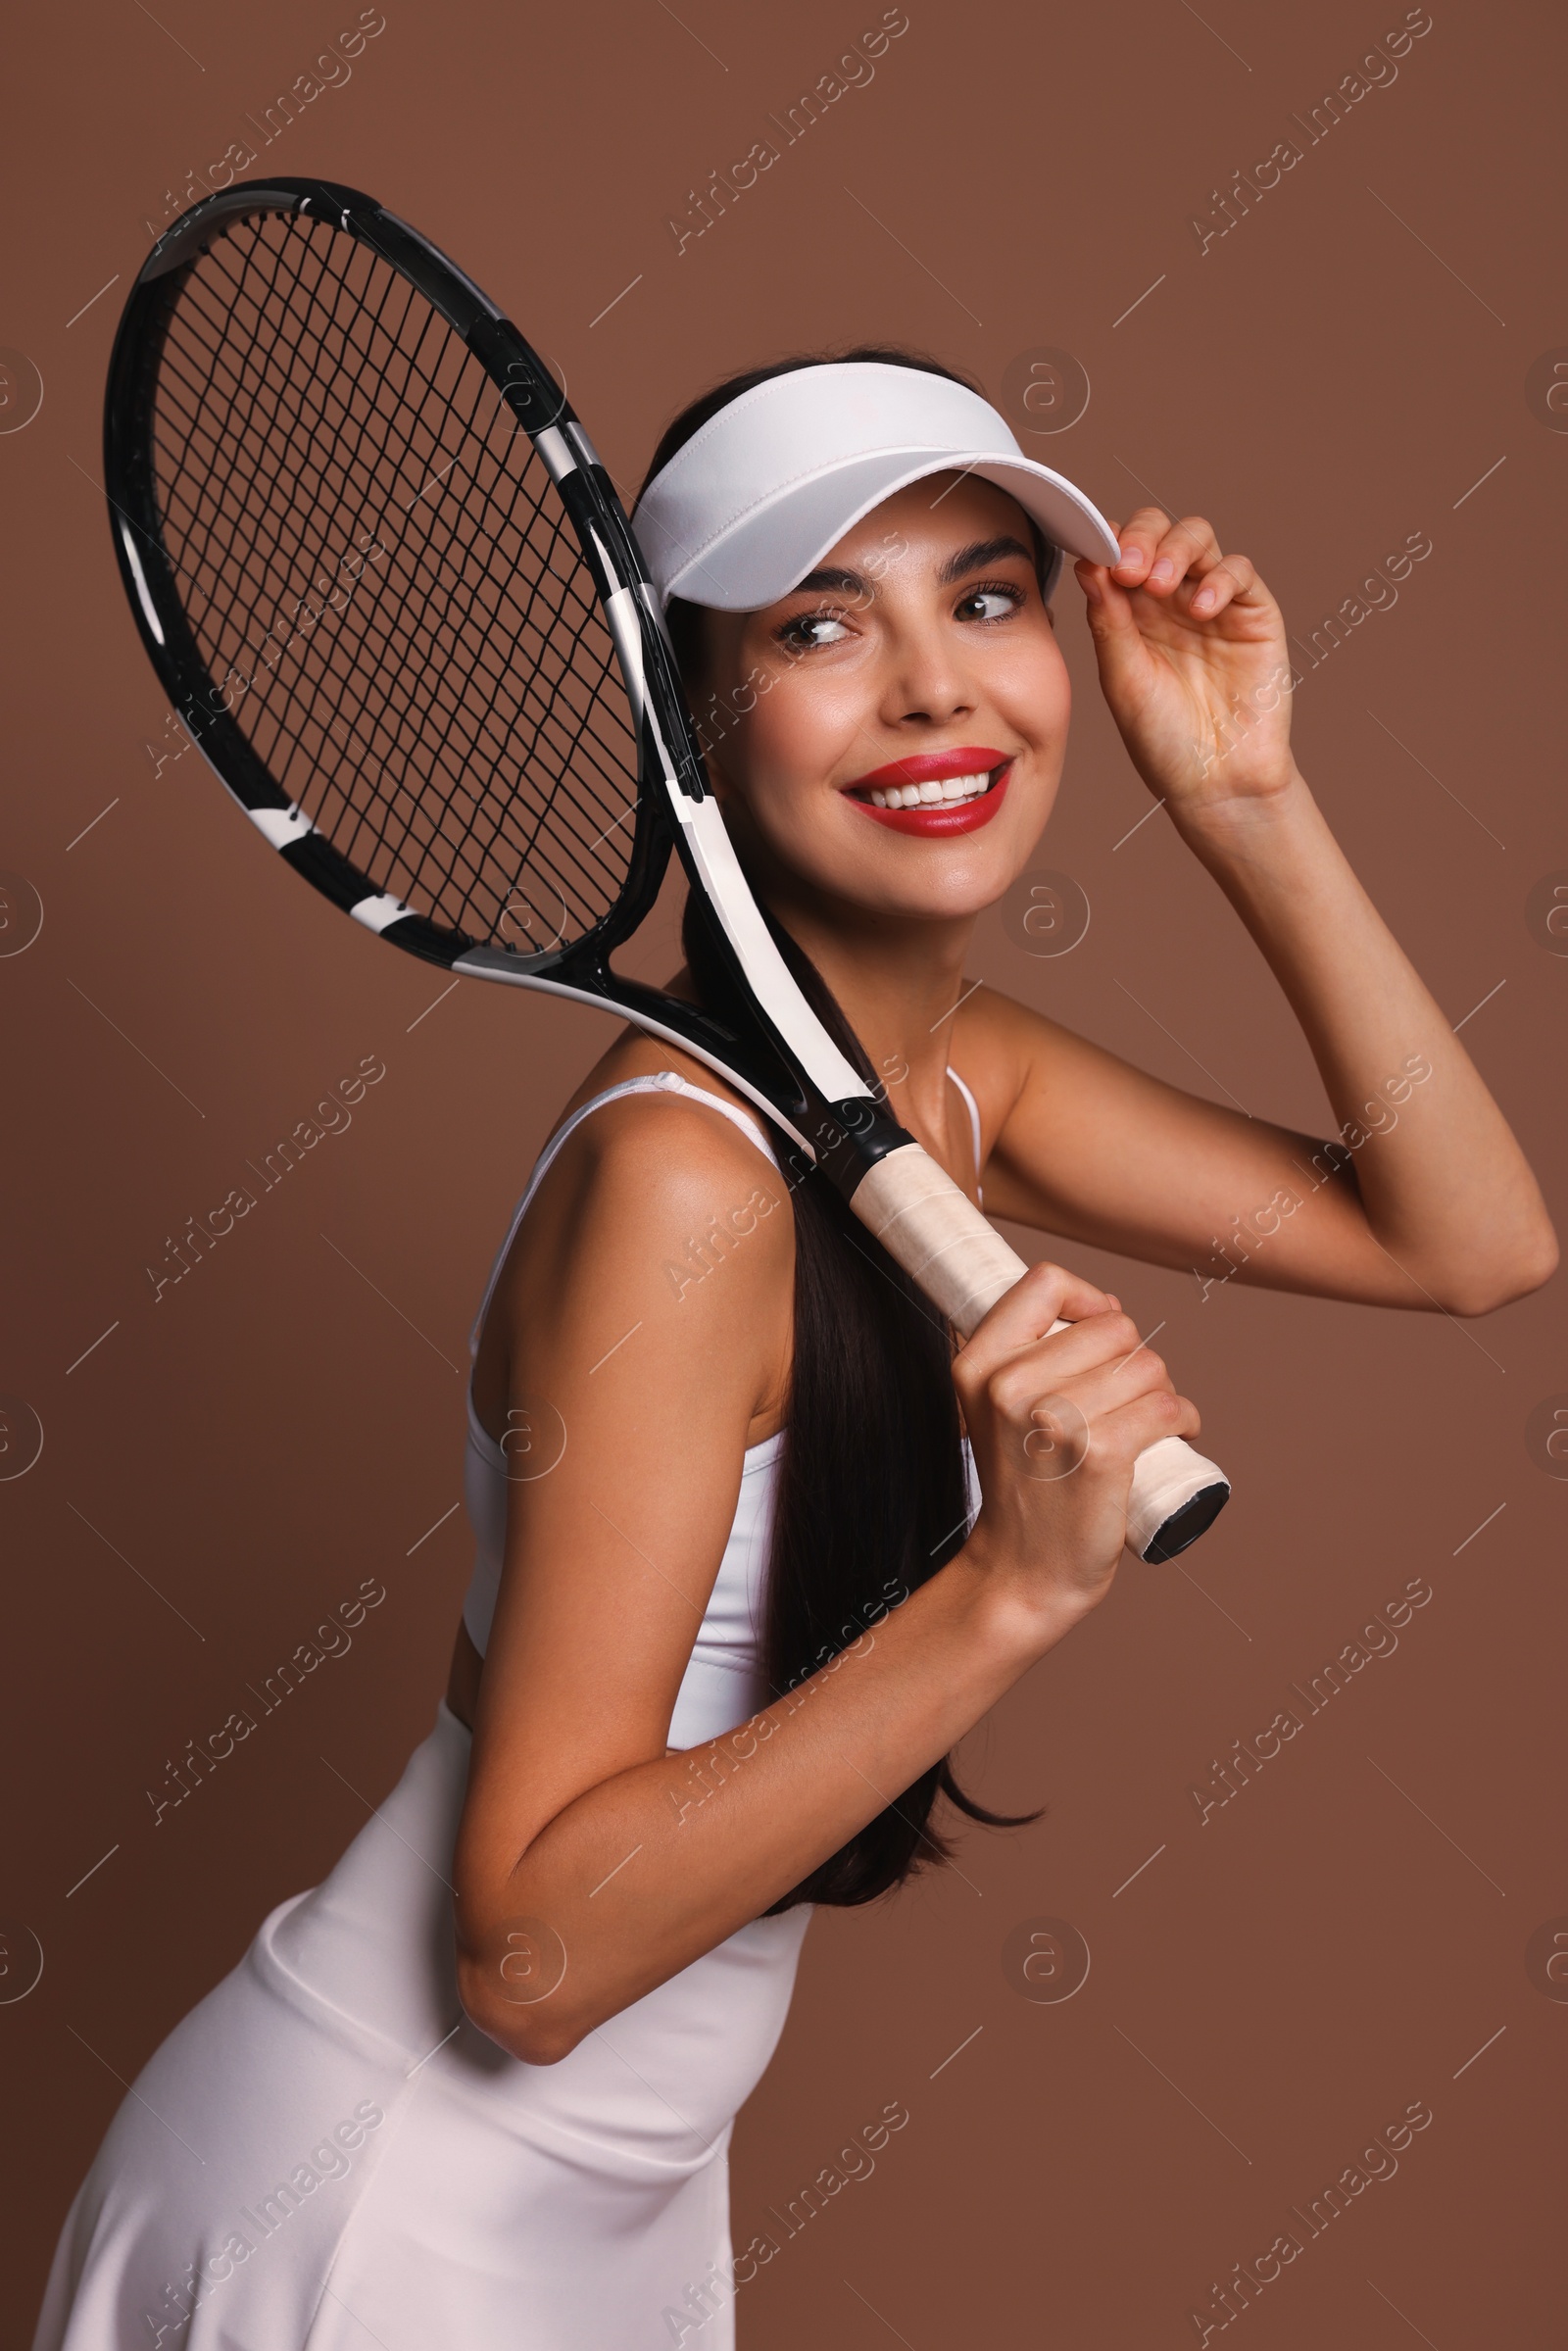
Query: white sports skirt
(325,2155)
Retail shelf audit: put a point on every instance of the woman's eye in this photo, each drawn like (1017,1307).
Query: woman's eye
(989,603)
(803,631)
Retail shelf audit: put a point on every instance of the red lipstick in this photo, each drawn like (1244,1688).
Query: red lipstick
(935,820)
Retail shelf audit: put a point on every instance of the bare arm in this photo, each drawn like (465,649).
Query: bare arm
(1424,1198)
(1446,1198)
(586,1870)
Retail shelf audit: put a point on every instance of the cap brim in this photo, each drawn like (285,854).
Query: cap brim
(772,548)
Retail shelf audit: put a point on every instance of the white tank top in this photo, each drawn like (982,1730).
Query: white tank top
(724,1683)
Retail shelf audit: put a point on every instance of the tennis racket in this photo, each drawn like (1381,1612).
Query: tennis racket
(395,600)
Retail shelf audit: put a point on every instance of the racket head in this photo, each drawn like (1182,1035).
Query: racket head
(372,555)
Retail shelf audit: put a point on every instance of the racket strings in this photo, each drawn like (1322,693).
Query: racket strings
(390,706)
(384,582)
(251,512)
(429,650)
(245,436)
(537,654)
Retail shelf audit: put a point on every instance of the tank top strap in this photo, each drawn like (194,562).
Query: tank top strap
(974,1120)
(659,1081)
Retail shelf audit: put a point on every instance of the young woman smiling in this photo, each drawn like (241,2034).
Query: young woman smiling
(736,1597)
(917,653)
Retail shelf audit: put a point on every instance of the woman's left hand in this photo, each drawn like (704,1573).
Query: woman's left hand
(1194,663)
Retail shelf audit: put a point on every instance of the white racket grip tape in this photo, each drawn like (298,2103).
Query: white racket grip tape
(963,1265)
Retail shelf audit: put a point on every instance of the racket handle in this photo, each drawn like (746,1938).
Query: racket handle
(963,1265)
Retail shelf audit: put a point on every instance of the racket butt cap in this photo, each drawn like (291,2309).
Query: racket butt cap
(1185,1525)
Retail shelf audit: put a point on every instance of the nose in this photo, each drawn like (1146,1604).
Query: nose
(928,685)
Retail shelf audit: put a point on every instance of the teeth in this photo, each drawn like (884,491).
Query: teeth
(935,792)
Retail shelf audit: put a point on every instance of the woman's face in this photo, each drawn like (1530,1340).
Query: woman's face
(918,655)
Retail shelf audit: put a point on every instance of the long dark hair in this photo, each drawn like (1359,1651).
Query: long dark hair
(871,1497)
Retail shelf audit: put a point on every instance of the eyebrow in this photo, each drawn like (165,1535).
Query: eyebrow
(973,558)
(976,557)
(849,582)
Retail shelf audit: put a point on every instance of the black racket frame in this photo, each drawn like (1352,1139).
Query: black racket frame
(843,1137)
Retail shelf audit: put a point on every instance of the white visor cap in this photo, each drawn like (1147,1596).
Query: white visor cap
(757,496)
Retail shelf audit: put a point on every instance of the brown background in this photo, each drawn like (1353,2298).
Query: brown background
(1335,373)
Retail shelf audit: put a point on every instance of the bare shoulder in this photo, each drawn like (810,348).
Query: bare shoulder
(633,1053)
(670,1157)
(1003,1050)
(654,1173)
(661,1229)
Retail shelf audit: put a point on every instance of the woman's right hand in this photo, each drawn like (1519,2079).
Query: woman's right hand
(1056,1425)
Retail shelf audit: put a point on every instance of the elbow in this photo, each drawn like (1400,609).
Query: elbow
(1483,1289)
(524,2021)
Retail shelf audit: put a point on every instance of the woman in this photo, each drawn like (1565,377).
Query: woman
(733,1605)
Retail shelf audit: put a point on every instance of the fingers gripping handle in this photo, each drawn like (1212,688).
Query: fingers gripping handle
(963,1265)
